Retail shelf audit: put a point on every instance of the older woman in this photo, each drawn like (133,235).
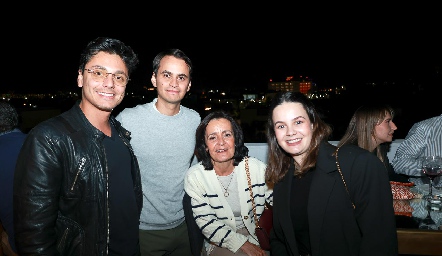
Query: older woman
(219,189)
(320,208)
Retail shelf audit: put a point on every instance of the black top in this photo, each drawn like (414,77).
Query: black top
(123,210)
(335,227)
(298,211)
(392,175)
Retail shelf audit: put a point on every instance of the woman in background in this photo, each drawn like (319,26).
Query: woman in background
(371,127)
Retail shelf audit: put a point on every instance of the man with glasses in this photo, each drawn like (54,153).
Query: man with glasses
(163,137)
(77,184)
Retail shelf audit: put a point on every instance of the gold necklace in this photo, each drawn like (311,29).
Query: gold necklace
(226,194)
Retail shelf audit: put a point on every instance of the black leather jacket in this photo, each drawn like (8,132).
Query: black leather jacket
(60,187)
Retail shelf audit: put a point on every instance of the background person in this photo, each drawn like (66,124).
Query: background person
(218,188)
(371,127)
(313,211)
(163,137)
(423,139)
(11,140)
(77,185)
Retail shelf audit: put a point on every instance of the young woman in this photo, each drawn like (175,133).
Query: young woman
(371,127)
(318,208)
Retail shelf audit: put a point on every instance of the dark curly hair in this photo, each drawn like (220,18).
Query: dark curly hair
(111,46)
(9,118)
(241,150)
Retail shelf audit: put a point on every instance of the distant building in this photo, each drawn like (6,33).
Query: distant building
(303,85)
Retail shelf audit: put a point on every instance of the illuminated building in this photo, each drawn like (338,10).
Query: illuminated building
(302,85)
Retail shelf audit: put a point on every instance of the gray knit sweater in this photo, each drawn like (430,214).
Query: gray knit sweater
(164,146)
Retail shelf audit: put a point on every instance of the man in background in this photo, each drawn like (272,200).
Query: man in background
(423,139)
(11,140)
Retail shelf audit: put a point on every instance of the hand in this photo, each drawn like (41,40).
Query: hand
(252,249)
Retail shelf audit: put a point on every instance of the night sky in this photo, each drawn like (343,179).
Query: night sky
(42,55)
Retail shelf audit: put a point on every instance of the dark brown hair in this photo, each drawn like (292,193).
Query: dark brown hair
(200,147)
(278,161)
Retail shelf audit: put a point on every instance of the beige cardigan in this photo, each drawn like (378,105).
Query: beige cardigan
(212,211)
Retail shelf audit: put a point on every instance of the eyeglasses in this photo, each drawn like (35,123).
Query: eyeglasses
(100,74)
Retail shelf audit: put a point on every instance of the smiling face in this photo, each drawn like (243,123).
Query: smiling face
(172,80)
(293,129)
(220,140)
(383,132)
(103,95)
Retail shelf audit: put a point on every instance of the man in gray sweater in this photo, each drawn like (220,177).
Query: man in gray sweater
(163,138)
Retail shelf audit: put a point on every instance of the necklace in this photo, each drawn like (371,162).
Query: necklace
(226,194)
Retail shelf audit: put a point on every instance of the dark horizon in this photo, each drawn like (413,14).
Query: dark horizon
(410,106)
(234,56)
(425,75)
(397,55)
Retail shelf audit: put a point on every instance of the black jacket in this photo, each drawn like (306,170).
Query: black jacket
(196,237)
(335,227)
(60,187)
(392,175)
